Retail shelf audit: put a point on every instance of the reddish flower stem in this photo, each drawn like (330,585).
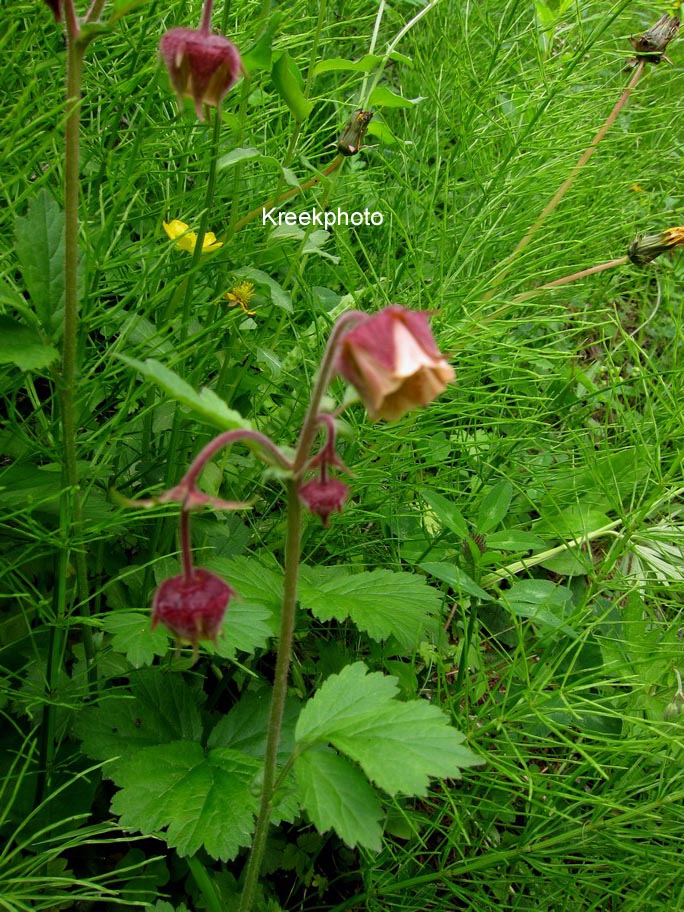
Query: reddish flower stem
(205,24)
(325,373)
(565,280)
(570,179)
(186,546)
(189,480)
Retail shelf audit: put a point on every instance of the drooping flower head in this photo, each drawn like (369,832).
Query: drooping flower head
(201,66)
(323,496)
(651,46)
(192,607)
(393,362)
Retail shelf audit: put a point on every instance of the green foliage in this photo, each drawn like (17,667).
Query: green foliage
(382,603)
(512,555)
(398,745)
(40,249)
(198,798)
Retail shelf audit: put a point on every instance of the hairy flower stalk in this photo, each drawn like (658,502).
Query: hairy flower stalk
(388,351)
(392,360)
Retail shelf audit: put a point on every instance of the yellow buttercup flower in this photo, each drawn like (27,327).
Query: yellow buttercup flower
(240,295)
(187,240)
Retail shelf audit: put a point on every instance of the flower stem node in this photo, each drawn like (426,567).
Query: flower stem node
(393,362)
(323,496)
(192,607)
(201,66)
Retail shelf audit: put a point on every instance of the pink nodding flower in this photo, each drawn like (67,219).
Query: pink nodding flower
(323,496)
(192,608)
(393,362)
(201,66)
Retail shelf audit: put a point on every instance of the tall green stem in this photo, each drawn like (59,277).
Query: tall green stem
(282,672)
(287,622)
(73,517)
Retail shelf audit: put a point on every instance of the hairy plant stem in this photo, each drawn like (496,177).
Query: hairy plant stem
(72,527)
(70,510)
(282,673)
(287,623)
(569,181)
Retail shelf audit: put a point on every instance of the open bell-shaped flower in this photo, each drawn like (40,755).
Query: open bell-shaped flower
(393,362)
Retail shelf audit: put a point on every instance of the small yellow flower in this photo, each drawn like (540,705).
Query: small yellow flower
(240,295)
(187,240)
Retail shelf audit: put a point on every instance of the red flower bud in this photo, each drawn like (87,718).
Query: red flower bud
(192,609)
(323,496)
(201,66)
(392,360)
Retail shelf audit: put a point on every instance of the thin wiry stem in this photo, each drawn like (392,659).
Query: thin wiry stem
(570,179)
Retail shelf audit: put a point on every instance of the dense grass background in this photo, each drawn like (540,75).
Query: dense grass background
(572,397)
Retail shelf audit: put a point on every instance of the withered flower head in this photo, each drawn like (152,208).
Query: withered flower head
(652,44)
(201,66)
(646,248)
(354,130)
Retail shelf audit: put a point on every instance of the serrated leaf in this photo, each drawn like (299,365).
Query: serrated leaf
(22,346)
(380,602)
(206,403)
(159,710)
(345,700)
(406,745)
(131,635)
(458,579)
(40,248)
(289,85)
(398,745)
(382,97)
(446,512)
(494,506)
(237,156)
(337,797)
(201,800)
(260,588)
(244,728)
